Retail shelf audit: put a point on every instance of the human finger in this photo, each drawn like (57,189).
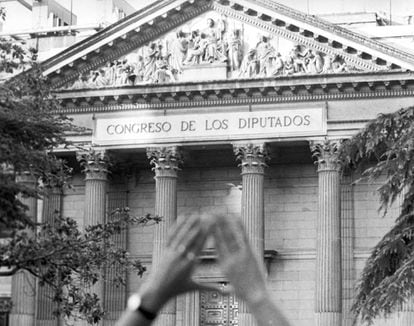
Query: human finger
(194,240)
(221,243)
(232,235)
(180,230)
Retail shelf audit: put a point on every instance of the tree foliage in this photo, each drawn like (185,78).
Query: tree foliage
(70,261)
(60,255)
(386,148)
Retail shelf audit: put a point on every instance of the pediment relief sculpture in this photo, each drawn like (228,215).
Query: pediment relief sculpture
(212,47)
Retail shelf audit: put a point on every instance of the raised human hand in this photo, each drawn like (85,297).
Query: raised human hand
(241,267)
(237,260)
(174,274)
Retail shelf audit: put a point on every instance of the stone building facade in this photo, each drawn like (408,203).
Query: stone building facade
(234,107)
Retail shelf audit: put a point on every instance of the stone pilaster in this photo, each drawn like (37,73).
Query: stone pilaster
(52,205)
(252,159)
(115,295)
(191,309)
(347,237)
(24,284)
(405,314)
(328,296)
(95,166)
(165,161)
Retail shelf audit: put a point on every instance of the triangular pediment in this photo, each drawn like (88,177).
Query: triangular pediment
(194,40)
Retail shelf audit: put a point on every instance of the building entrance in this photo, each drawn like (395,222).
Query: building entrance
(218,309)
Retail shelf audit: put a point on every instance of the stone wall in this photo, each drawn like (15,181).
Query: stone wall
(291,194)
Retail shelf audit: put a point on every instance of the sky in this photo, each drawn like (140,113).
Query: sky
(89,12)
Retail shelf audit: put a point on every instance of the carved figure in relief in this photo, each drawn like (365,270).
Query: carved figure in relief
(327,63)
(276,65)
(314,62)
(163,73)
(122,72)
(249,66)
(150,57)
(81,82)
(235,50)
(210,54)
(139,70)
(110,72)
(197,48)
(298,59)
(265,54)
(101,80)
(179,48)
(289,66)
(339,65)
(215,48)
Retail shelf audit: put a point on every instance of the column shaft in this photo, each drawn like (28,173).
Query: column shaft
(51,208)
(95,203)
(165,161)
(23,286)
(328,296)
(252,212)
(165,206)
(252,158)
(95,166)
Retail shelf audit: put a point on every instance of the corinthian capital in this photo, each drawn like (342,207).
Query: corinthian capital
(252,157)
(165,160)
(95,164)
(326,153)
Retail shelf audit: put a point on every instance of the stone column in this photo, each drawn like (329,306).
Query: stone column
(252,159)
(328,296)
(95,166)
(52,205)
(23,286)
(165,161)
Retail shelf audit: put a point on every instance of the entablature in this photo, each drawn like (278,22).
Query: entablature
(341,86)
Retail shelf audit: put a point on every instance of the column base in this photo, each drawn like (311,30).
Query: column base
(246,319)
(21,320)
(328,319)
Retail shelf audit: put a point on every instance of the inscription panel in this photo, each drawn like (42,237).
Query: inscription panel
(150,128)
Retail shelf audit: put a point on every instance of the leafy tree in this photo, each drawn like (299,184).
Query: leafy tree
(58,254)
(386,148)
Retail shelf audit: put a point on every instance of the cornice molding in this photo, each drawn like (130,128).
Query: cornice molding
(333,87)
